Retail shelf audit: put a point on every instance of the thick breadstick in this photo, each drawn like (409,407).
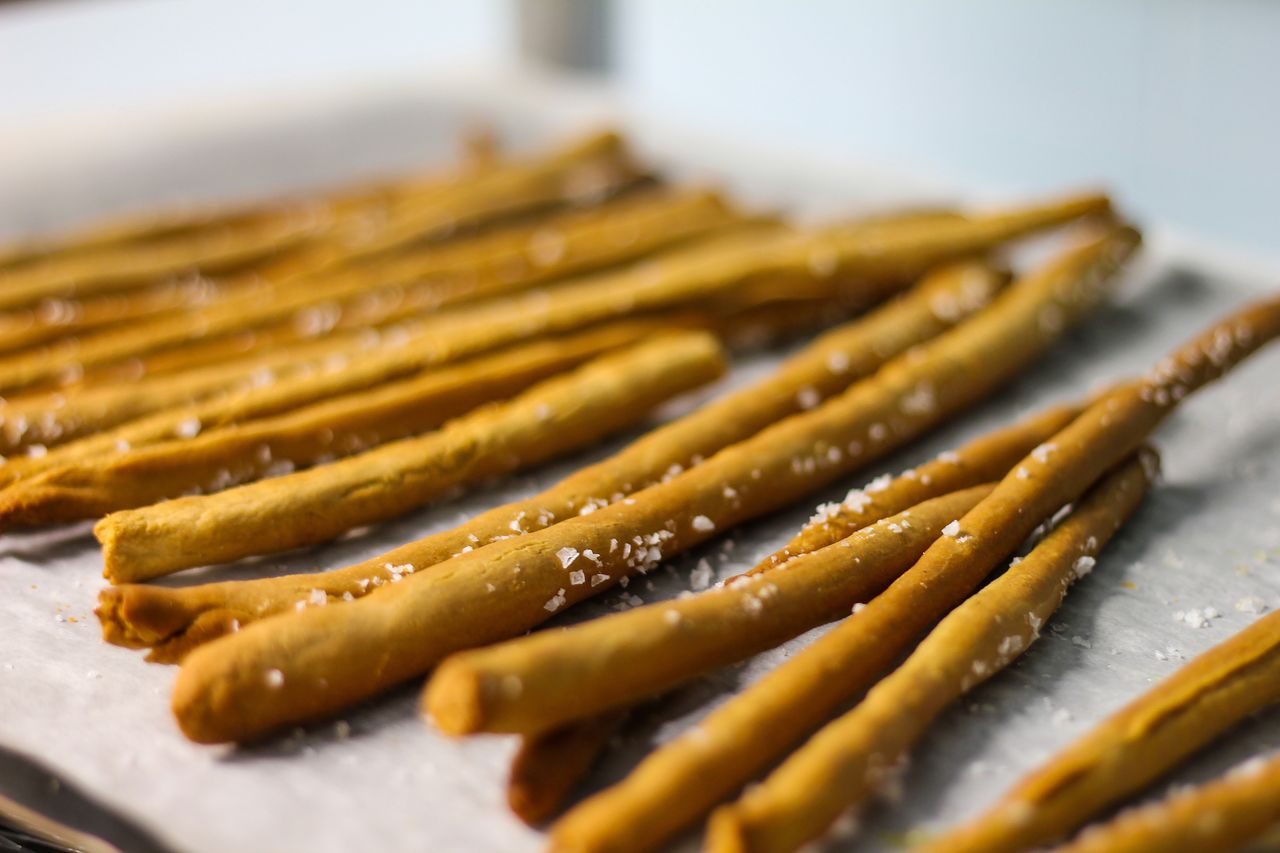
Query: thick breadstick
(1133,747)
(550,678)
(986,458)
(553,417)
(847,759)
(226,692)
(512,259)
(1225,815)
(222,457)
(671,787)
(173,620)
(546,768)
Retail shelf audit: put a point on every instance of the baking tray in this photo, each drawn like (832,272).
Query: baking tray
(85,728)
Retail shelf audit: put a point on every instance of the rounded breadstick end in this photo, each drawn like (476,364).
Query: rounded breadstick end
(454,698)
(725,832)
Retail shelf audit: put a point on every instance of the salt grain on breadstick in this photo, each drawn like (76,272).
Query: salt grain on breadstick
(845,762)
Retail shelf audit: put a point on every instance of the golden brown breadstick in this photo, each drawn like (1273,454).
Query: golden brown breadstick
(226,690)
(325,236)
(546,767)
(865,261)
(553,417)
(173,620)
(130,266)
(986,458)
(511,259)
(222,457)
(61,318)
(1225,815)
(1133,747)
(847,759)
(547,679)
(672,786)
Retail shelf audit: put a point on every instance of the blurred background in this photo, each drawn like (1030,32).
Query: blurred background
(1172,103)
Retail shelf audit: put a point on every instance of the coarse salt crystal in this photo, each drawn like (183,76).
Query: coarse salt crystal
(807,397)
(555,602)
(577,578)
(952,529)
(1083,565)
(567,556)
(704,524)
(598,579)
(274,678)
(700,577)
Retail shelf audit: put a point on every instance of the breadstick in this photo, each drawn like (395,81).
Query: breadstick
(510,259)
(1228,814)
(671,787)
(546,767)
(322,238)
(130,266)
(546,679)
(176,619)
(60,318)
(1133,747)
(223,457)
(988,457)
(222,692)
(315,505)
(870,264)
(844,762)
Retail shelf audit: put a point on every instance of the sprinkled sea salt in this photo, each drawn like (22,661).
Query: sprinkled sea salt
(704,524)
(274,678)
(701,576)
(577,578)
(188,428)
(555,602)
(567,556)
(1251,604)
(1084,565)
(952,529)
(807,397)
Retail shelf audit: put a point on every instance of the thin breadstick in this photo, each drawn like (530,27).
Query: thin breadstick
(1226,815)
(546,768)
(504,261)
(320,237)
(986,458)
(130,266)
(671,788)
(207,541)
(868,261)
(553,417)
(847,759)
(1133,747)
(550,678)
(173,620)
(222,457)
(225,692)
(61,318)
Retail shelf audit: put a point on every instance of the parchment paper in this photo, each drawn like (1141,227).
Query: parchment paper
(97,716)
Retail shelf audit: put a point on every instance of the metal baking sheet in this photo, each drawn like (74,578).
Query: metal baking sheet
(96,717)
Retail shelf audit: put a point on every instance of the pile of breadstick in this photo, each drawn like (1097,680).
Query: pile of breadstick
(232,383)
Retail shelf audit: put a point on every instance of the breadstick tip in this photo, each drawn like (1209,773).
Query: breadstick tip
(454,698)
(725,833)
